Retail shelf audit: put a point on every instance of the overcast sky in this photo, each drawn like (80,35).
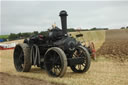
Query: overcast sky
(29,16)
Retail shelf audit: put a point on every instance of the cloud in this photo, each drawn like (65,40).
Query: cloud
(28,16)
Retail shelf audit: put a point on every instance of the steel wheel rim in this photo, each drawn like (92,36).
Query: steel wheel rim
(79,52)
(53,63)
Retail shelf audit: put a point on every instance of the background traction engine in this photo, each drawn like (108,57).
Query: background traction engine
(53,52)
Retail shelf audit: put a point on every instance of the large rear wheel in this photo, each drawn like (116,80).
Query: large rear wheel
(21,56)
(55,62)
(81,52)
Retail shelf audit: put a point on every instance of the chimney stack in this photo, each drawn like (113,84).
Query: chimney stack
(63,15)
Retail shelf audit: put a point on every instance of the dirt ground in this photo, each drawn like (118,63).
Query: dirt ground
(6,79)
(115,45)
(104,71)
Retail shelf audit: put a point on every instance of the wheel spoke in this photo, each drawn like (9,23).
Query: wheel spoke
(83,65)
(57,59)
(75,55)
(54,70)
(54,58)
(58,67)
(79,66)
(80,54)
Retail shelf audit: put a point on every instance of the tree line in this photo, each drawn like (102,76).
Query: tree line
(124,27)
(20,35)
(14,36)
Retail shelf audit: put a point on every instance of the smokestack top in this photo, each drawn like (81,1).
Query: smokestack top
(63,13)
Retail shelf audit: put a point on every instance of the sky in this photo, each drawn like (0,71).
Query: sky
(29,16)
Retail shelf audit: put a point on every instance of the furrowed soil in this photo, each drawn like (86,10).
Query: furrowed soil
(115,45)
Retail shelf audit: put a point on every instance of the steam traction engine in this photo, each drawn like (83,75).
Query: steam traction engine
(53,52)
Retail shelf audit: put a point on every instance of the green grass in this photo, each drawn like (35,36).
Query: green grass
(4,36)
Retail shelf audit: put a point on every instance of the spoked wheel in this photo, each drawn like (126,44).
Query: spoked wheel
(21,56)
(81,52)
(55,62)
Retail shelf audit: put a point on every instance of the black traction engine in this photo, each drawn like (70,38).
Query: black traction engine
(53,52)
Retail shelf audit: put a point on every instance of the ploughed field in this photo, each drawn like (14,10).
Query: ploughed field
(106,70)
(115,45)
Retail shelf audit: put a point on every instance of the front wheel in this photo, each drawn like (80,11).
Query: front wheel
(81,52)
(55,62)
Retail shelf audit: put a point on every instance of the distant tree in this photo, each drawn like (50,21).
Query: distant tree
(71,30)
(93,28)
(44,33)
(35,33)
(122,28)
(12,36)
(26,35)
(127,27)
(19,35)
(106,28)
